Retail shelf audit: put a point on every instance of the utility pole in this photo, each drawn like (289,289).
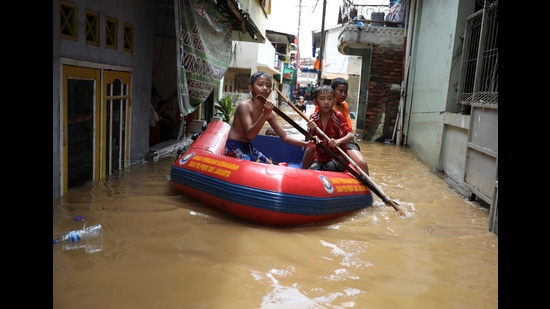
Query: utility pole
(322,44)
(297,41)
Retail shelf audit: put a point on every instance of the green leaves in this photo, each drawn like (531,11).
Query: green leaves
(226,106)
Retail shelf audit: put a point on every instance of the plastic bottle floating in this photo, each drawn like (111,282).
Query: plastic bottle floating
(89,237)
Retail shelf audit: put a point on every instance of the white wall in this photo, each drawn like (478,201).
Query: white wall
(454,130)
(334,61)
(251,55)
(433,49)
(266,54)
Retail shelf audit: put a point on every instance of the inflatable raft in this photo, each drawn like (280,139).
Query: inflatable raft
(267,194)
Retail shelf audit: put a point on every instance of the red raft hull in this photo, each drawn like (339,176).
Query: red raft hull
(267,194)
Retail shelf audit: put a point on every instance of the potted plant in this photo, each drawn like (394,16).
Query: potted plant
(225,107)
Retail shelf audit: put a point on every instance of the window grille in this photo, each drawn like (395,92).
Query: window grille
(68,21)
(128,38)
(92,28)
(111,32)
(478,81)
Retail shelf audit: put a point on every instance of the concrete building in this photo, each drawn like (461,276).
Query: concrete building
(447,107)
(437,92)
(107,56)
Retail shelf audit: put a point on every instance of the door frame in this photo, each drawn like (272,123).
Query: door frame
(77,72)
(101,77)
(109,77)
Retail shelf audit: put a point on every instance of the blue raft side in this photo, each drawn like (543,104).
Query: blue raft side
(279,202)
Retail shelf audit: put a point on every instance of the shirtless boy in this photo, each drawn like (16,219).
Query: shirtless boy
(250,117)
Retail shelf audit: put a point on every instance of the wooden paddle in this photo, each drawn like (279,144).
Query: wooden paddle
(358,172)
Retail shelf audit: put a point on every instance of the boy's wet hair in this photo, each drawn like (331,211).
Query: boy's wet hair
(322,88)
(257,75)
(338,81)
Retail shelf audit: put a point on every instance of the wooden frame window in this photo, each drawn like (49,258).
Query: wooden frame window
(128,39)
(111,32)
(68,19)
(92,28)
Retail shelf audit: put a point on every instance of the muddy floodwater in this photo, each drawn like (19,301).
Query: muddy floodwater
(163,250)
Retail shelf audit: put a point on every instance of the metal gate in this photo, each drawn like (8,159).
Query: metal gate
(481,168)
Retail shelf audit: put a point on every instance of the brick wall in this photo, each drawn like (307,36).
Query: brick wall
(384,93)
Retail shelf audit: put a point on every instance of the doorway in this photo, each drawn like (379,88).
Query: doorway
(95,124)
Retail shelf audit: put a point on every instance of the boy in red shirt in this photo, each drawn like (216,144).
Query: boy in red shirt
(333,123)
(340,86)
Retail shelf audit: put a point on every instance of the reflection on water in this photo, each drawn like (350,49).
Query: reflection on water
(164,250)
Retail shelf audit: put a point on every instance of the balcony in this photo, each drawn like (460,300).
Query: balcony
(356,40)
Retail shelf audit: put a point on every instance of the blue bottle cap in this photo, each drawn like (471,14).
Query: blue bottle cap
(78,218)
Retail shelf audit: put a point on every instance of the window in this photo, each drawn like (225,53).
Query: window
(68,21)
(111,26)
(478,81)
(241,81)
(92,28)
(128,38)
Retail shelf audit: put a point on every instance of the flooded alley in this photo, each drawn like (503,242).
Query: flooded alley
(164,250)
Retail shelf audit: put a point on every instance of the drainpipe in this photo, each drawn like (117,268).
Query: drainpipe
(409,22)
